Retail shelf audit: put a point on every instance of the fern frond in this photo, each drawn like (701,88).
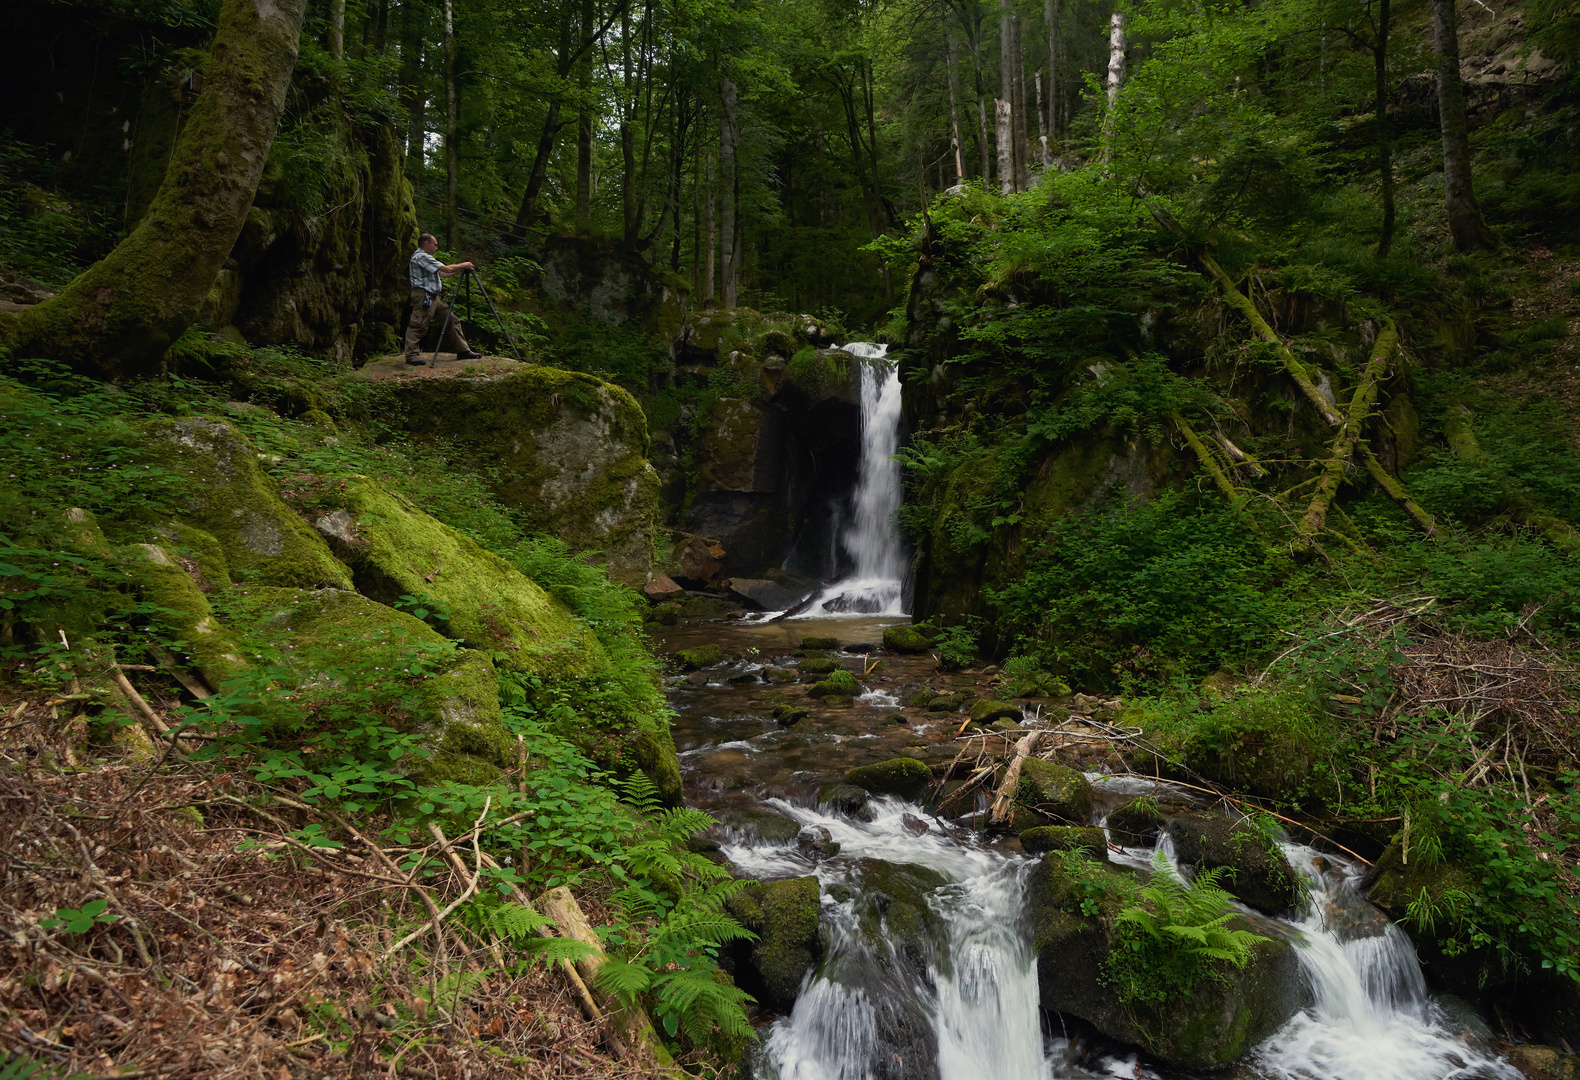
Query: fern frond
(554,949)
(624,979)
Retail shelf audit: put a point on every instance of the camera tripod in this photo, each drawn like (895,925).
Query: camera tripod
(467,277)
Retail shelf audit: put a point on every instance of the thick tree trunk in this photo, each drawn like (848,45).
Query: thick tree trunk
(1022,110)
(336,43)
(1465,224)
(118,317)
(984,147)
(1003,114)
(1384,141)
(1116,77)
(452,146)
(951,64)
(728,134)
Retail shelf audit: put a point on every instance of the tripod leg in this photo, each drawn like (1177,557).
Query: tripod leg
(443,330)
(498,319)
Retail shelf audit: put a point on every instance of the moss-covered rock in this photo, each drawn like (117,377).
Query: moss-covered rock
(816,666)
(162,579)
(569,451)
(820,643)
(1135,823)
(761,824)
(842,798)
(905,777)
(783,914)
(700,657)
(1257,871)
(228,496)
(1214,1025)
(395,550)
(985,712)
(1054,792)
(331,650)
(906,639)
(1065,838)
(946,703)
(839,683)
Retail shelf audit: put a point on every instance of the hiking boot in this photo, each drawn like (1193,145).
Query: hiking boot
(468,356)
(417,363)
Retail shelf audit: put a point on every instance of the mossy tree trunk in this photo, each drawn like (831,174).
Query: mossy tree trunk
(1384,140)
(118,317)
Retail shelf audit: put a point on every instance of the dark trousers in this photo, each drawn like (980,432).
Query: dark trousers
(435,312)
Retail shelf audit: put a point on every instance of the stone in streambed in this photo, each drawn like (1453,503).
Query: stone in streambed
(700,657)
(1136,823)
(765,824)
(820,643)
(1043,838)
(906,639)
(1224,1015)
(838,684)
(1053,792)
(945,703)
(816,842)
(1257,871)
(816,665)
(789,715)
(662,589)
(768,595)
(895,718)
(985,712)
(783,914)
(845,799)
(905,777)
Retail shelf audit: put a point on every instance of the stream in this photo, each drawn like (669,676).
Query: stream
(928,969)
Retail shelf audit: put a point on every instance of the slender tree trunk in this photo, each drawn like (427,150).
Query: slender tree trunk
(336,43)
(951,62)
(712,197)
(1465,222)
(412,97)
(983,145)
(1384,139)
(1042,125)
(728,134)
(452,146)
(1022,101)
(584,128)
(1116,77)
(1050,16)
(677,173)
(118,316)
(1004,111)
(630,226)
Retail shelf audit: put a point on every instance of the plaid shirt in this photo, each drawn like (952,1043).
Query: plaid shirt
(424,271)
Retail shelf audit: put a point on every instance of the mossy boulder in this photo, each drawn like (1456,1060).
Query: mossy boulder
(762,824)
(905,777)
(839,683)
(946,703)
(820,643)
(816,666)
(906,639)
(985,712)
(334,654)
(1135,823)
(1214,1025)
(228,496)
(783,914)
(396,550)
(1256,870)
(700,657)
(569,451)
(843,798)
(1054,792)
(1045,838)
(162,578)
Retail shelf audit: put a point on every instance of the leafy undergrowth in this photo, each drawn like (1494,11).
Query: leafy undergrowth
(225,946)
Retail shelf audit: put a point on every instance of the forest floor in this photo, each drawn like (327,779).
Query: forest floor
(395,367)
(224,948)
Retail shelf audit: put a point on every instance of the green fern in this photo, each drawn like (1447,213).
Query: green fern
(1175,938)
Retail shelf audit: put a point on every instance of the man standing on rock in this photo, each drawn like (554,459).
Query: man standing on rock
(425,272)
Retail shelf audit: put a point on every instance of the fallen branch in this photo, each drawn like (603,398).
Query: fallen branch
(1208,461)
(1399,495)
(1297,371)
(471,887)
(1004,798)
(1348,436)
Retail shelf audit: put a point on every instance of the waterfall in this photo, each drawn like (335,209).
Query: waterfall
(871,539)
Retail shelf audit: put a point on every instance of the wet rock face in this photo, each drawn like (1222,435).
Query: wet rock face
(1216,1024)
(1054,793)
(1256,870)
(1136,823)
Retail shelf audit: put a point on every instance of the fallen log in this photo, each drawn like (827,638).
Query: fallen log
(642,1045)
(1348,436)
(1297,371)
(1399,495)
(1208,461)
